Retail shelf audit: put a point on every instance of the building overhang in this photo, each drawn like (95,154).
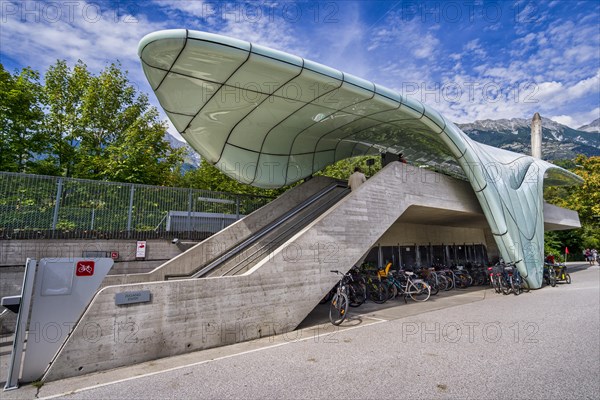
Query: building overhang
(269,119)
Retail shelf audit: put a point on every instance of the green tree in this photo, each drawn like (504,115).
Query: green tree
(585,199)
(208,177)
(344,168)
(102,127)
(21,114)
(64,89)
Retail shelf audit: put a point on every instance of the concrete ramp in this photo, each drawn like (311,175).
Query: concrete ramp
(272,297)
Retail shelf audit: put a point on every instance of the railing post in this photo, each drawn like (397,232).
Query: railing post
(189,218)
(237,207)
(130,212)
(57,203)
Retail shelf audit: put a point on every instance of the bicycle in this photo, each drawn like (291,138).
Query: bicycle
(403,282)
(338,308)
(376,291)
(549,274)
(512,281)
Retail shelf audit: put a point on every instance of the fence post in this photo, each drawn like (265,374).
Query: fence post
(189,218)
(237,207)
(57,203)
(130,212)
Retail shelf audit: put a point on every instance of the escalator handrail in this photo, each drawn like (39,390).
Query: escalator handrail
(262,232)
(291,228)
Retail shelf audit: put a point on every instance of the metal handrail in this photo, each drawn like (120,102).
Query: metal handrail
(248,260)
(261,233)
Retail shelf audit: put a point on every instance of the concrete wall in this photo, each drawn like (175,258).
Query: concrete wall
(406,233)
(273,297)
(15,252)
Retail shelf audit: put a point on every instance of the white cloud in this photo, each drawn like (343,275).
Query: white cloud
(584,87)
(565,120)
(96,36)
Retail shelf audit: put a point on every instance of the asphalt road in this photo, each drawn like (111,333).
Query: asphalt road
(539,345)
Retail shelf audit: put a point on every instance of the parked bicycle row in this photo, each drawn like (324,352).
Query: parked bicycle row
(505,277)
(379,286)
(359,285)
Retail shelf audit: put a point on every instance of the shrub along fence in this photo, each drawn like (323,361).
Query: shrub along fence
(36,206)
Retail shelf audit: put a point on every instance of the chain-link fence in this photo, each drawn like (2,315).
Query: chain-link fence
(35,206)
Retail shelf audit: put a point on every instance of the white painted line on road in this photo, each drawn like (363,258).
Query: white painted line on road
(324,334)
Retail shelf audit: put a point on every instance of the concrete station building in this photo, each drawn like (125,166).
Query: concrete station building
(270,119)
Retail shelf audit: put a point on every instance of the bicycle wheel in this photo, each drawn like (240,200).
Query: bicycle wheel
(515,285)
(357,295)
(568,279)
(434,286)
(504,285)
(552,277)
(420,291)
(338,308)
(378,292)
(465,281)
(442,282)
(392,291)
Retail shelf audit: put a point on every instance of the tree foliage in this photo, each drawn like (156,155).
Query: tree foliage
(20,120)
(208,177)
(585,199)
(82,125)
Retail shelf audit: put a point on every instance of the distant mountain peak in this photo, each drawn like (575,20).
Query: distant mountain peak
(558,141)
(593,126)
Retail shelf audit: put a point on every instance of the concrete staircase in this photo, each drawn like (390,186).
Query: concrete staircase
(271,297)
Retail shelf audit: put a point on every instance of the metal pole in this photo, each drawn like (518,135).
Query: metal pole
(93,215)
(14,368)
(57,203)
(237,207)
(189,218)
(130,212)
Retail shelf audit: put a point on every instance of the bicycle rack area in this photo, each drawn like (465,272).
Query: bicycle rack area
(56,292)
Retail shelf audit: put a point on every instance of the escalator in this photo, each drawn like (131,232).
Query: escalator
(242,255)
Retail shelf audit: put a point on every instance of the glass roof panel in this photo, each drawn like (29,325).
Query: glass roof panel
(250,132)
(298,121)
(343,97)
(377,104)
(330,140)
(209,61)
(269,169)
(238,164)
(183,94)
(308,86)
(226,40)
(323,159)
(161,54)
(212,125)
(263,74)
(344,149)
(277,55)
(179,121)
(300,166)
(154,75)
(323,69)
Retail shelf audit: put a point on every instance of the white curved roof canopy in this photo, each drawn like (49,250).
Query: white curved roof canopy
(269,119)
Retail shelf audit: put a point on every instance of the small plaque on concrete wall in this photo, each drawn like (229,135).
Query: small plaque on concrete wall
(140,296)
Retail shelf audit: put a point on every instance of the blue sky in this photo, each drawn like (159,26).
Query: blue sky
(469,59)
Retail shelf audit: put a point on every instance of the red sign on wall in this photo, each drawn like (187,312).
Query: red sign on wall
(84,268)
(114,255)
